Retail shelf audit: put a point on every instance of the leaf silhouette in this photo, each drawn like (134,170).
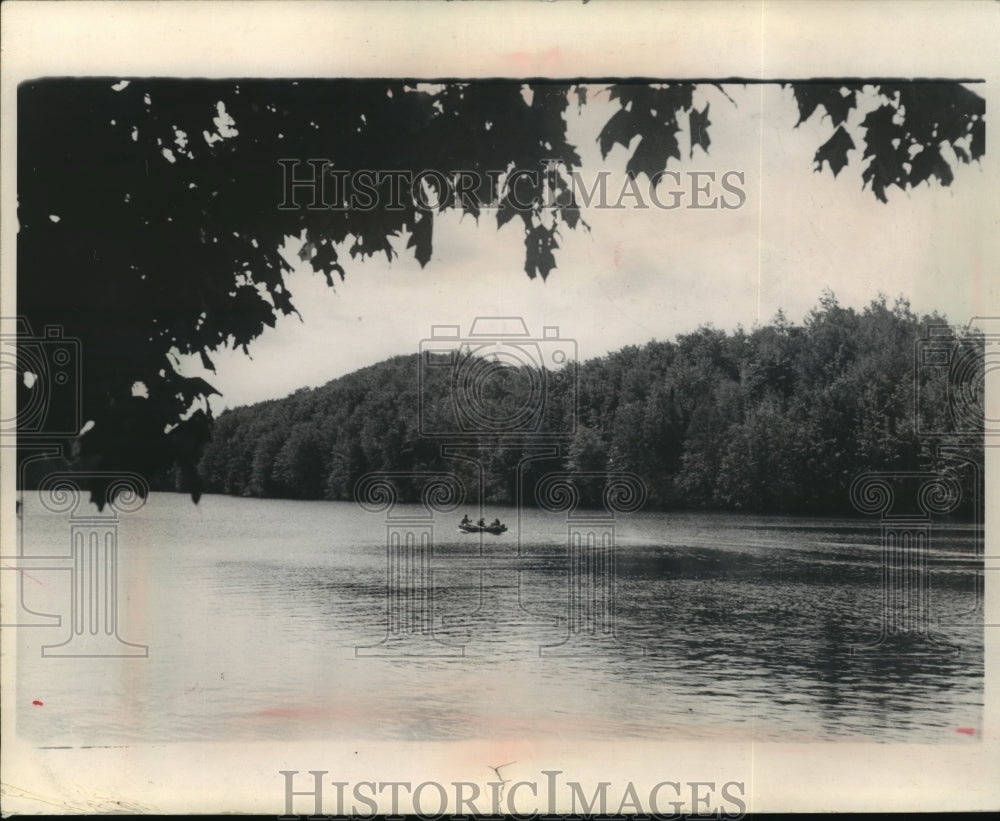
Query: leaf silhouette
(882,172)
(881,131)
(929,163)
(325,259)
(831,96)
(650,157)
(904,135)
(698,123)
(834,151)
(539,243)
(420,237)
(621,128)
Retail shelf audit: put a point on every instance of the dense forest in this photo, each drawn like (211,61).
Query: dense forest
(781,418)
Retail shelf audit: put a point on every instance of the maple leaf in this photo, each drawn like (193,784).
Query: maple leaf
(880,131)
(883,171)
(807,96)
(675,97)
(838,105)
(507,211)
(539,243)
(831,96)
(928,163)
(657,145)
(834,151)
(325,259)
(621,128)
(421,232)
(570,215)
(283,301)
(699,123)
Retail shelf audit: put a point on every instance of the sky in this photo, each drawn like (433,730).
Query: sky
(647,274)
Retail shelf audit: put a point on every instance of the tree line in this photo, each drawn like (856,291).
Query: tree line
(781,418)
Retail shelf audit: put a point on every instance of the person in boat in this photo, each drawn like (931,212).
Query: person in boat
(495,523)
(481,523)
(466,520)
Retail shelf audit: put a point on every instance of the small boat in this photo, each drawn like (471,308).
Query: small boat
(496,530)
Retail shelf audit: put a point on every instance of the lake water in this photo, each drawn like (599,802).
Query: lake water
(725,627)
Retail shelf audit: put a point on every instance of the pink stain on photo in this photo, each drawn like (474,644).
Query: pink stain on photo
(531,63)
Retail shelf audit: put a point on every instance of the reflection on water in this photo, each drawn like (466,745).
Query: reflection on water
(725,627)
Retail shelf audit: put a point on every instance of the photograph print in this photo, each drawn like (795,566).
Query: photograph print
(453,429)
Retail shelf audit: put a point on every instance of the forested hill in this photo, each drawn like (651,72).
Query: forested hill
(778,419)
